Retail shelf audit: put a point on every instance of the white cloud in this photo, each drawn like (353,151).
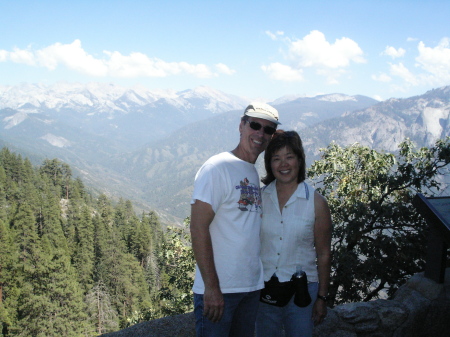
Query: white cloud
(378,98)
(435,61)
(274,36)
(394,53)
(224,69)
(3,55)
(432,67)
(114,64)
(282,72)
(331,75)
(136,65)
(73,57)
(382,78)
(315,51)
(22,56)
(399,70)
(199,70)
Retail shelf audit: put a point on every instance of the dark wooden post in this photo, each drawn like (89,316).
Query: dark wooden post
(436,211)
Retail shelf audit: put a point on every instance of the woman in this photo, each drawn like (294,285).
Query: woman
(295,234)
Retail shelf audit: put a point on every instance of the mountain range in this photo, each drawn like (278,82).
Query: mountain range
(147,145)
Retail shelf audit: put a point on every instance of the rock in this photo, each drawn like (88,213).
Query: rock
(361,316)
(420,308)
(171,326)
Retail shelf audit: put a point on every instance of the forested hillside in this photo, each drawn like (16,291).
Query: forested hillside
(72,265)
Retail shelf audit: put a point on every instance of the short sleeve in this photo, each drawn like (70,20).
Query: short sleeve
(208,186)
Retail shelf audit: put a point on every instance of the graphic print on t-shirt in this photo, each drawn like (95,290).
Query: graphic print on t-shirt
(250,199)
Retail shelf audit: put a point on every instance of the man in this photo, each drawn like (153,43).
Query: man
(225,225)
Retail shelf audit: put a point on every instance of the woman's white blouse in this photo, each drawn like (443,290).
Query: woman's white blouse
(287,238)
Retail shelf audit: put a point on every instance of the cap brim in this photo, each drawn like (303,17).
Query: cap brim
(262,116)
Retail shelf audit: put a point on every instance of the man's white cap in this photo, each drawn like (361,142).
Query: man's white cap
(262,110)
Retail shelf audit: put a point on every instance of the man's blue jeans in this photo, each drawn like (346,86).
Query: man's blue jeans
(238,317)
(295,321)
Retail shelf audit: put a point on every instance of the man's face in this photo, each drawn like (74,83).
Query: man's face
(255,141)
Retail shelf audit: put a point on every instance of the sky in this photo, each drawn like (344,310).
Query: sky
(253,49)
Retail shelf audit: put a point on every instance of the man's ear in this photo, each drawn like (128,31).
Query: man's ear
(241,126)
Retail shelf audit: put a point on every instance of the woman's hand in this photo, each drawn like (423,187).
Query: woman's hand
(319,311)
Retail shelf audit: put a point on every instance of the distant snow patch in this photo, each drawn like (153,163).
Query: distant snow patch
(336,98)
(288,98)
(15,119)
(310,114)
(56,141)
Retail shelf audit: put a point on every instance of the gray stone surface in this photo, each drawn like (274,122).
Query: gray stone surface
(420,308)
(172,326)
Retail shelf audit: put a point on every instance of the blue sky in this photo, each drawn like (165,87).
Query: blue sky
(254,49)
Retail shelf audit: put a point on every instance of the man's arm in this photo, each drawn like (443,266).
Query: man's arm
(202,215)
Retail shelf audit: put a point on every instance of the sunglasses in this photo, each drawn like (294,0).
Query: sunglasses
(267,129)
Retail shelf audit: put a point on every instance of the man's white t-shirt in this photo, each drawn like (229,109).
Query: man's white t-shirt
(231,186)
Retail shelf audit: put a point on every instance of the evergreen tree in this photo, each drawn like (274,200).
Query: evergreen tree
(74,214)
(124,278)
(103,233)
(12,167)
(102,314)
(50,302)
(8,285)
(60,174)
(31,260)
(126,221)
(84,251)
(147,243)
(59,251)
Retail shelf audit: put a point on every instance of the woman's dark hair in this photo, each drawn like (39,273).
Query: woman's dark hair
(281,139)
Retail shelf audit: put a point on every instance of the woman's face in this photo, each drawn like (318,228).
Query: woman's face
(285,166)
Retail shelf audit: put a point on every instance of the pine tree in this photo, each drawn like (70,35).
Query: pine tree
(8,285)
(59,250)
(50,303)
(126,222)
(103,231)
(102,314)
(147,247)
(124,278)
(60,174)
(31,260)
(84,251)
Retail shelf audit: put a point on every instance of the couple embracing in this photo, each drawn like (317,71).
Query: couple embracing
(262,256)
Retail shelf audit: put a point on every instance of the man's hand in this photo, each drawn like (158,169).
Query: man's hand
(213,304)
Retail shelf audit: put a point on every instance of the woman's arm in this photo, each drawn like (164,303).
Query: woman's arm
(322,240)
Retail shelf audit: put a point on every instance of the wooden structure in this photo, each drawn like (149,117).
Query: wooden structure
(436,211)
